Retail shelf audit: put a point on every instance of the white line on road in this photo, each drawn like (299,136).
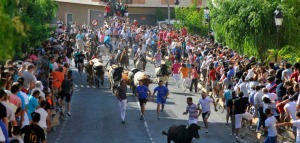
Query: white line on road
(145,123)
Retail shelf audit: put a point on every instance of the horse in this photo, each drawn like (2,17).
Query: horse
(123,59)
(140,62)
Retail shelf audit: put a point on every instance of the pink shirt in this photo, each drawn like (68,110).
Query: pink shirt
(194,73)
(158,56)
(14,99)
(175,68)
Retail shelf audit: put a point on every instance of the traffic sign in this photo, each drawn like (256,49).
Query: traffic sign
(95,22)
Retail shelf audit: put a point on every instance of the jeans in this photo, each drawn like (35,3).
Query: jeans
(122,105)
(107,44)
(261,118)
(195,83)
(271,139)
(4,131)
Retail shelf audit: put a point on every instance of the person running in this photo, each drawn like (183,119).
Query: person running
(33,133)
(142,92)
(270,127)
(81,58)
(122,98)
(195,76)
(162,95)
(239,108)
(184,71)
(67,89)
(175,72)
(205,108)
(193,110)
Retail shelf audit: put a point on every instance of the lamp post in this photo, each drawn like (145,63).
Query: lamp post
(207,17)
(278,22)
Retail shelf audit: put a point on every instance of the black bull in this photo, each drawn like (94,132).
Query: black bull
(181,134)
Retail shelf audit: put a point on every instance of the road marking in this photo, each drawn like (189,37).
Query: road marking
(145,123)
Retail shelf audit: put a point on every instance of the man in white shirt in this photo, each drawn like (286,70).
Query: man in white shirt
(44,122)
(270,127)
(39,87)
(271,96)
(205,108)
(290,111)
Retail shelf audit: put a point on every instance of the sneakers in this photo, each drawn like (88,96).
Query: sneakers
(158,117)
(142,117)
(206,131)
(69,113)
(237,139)
(123,122)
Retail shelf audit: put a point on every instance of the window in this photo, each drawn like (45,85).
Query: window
(127,1)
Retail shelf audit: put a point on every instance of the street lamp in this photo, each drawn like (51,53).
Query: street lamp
(278,22)
(207,17)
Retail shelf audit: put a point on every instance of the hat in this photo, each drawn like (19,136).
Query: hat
(247,78)
(8,93)
(38,84)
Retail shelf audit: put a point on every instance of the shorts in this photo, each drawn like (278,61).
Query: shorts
(280,108)
(239,117)
(294,129)
(193,121)
(205,115)
(143,101)
(67,95)
(161,101)
(213,84)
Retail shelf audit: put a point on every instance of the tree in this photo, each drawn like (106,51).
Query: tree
(159,15)
(24,23)
(192,18)
(250,28)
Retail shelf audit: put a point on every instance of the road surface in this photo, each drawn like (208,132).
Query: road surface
(95,117)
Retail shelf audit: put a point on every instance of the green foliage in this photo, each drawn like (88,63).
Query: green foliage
(159,15)
(249,26)
(24,23)
(290,53)
(191,18)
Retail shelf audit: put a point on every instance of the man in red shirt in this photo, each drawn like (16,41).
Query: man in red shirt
(212,78)
(107,10)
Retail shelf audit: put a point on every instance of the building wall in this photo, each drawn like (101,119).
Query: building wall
(86,13)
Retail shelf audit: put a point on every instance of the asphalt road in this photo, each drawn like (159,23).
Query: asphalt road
(95,117)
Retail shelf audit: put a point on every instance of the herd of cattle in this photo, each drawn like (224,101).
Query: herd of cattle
(95,71)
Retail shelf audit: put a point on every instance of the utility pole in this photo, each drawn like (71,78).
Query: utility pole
(169,15)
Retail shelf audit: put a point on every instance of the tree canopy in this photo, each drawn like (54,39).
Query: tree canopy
(249,27)
(25,23)
(192,18)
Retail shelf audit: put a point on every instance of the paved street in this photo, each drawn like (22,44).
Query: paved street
(95,117)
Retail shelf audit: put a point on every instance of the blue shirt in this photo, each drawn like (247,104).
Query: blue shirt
(227,95)
(33,104)
(79,36)
(230,73)
(22,100)
(161,91)
(143,91)
(106,39)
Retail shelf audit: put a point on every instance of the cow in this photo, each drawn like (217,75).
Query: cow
(89,72)
(141,76)
(131,74)
(98,73)
(114,76)
(182,134)
(162,74)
